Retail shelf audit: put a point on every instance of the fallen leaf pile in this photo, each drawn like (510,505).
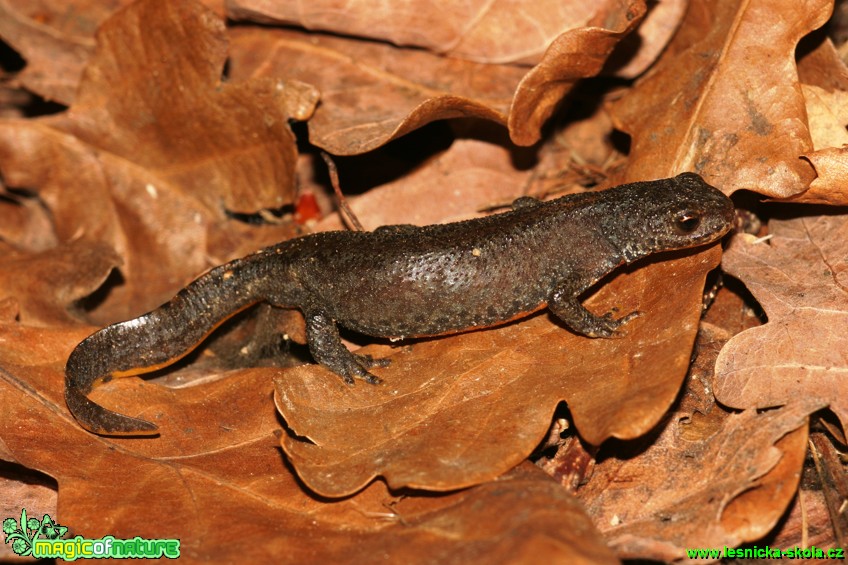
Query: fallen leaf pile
(142,143)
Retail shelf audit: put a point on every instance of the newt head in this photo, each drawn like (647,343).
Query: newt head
(664,215)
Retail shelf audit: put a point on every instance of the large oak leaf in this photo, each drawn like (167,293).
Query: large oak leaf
(372,93)
(800,277)
(706,478)
(156,151)
(725,101)
(215,480)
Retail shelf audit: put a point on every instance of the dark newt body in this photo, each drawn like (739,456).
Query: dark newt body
(403,281)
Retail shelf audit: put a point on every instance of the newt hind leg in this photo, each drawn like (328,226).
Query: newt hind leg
(327,348)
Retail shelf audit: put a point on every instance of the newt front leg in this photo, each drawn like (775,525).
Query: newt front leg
(565,305)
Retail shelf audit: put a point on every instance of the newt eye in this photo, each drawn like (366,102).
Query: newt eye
(687,223)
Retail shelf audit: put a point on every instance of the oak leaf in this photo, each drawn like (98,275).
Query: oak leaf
(503,31)
(372,93)
(647,510)
(224,491)
(800,278)
(735,114)
(56,39)
(704,478)
(155,152)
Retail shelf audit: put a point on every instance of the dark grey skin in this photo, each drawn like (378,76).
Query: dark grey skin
(405,281)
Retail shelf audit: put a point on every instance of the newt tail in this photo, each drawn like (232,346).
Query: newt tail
(158,339)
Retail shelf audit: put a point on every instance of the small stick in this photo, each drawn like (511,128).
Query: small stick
(347,214)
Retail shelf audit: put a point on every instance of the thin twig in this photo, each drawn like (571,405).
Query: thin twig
(347,214)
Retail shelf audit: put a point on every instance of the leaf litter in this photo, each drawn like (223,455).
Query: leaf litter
(140,184)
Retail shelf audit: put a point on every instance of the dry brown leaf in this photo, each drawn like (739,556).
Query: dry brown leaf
(21,487)
(56,39)
(828,116)
(725,102)
(503,31)
(576,54)
(372,93)
(558,530)
(231,147)
(720,490)
(156,151)
(640,49)
(700,481)
(469,176)
(26,224)
(461,410)
(216,481)
(799,277)
(825,79)
(823,67)
(45,284)
(829,187)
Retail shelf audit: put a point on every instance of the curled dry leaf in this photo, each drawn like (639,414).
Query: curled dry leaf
(721,490)
(800,278)
(56,41)
(156,151)
(827,108)
(829,186)
(372,93)
(640,49)
(224,491)
(725,100)
(825,79)
(576,54)
(464,409)
(706,479)
(45,284)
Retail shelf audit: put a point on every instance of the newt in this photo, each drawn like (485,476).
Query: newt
(407,281)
